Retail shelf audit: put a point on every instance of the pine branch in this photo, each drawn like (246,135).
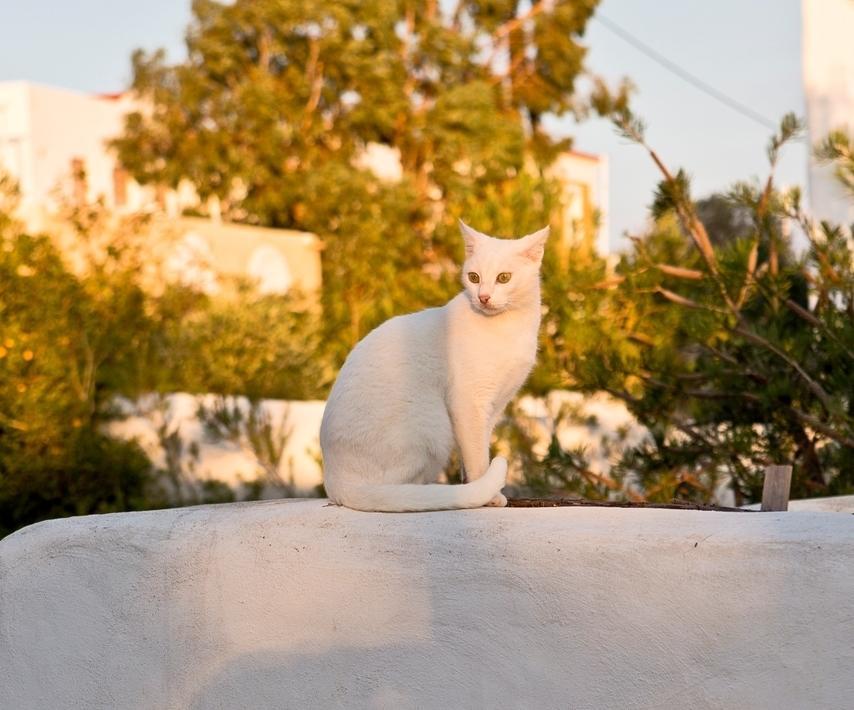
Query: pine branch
(680,272)
(813,386)
(632,128)
(822,427)
(748,276)
(685,301)
(676,298)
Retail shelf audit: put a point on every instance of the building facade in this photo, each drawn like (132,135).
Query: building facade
(582,215)
(828,75)
(55,144)
(583,196)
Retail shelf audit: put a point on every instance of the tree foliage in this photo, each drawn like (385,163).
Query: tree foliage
(78,328)
(733,351)
(64,344)
(278,101)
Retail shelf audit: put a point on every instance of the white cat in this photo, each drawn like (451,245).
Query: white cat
(420,383)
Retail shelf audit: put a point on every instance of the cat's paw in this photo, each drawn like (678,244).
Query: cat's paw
(499,501)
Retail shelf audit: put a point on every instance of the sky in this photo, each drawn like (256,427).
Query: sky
(750,51)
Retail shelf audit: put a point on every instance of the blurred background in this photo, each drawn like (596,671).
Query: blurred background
(204,206)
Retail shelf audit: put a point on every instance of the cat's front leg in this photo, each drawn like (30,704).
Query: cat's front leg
(500,500)
(471,430)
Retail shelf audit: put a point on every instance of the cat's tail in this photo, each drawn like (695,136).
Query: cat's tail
(411,497)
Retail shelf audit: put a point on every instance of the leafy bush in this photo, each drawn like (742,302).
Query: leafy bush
(250,344)
(732,351)
(65,343)
(79,326)
(277,104)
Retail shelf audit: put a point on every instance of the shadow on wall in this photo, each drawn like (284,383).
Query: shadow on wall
(395,676)
(408,625)
(308,615)
(473,610)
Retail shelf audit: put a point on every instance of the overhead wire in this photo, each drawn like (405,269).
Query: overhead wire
(686,76)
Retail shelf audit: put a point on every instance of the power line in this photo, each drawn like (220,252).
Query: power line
(695,81)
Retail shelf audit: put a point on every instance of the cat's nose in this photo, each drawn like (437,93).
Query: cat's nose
(483,298)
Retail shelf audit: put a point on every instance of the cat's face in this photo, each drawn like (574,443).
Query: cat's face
(501,274)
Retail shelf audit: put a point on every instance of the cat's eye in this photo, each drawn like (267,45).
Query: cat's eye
(503,277)
(474,278)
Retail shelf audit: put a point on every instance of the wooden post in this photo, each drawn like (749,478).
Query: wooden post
(775,489)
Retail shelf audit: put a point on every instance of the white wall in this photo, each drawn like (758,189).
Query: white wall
(287,604)
(834,504)
(53,126)
(43,128)
(15,134)
(828,66)
(65,125)
(225,461)
(599,423)
(579,173)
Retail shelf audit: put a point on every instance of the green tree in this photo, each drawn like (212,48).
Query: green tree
(79,327)
(734,352)
(278,99)
(66,344)
(255,345)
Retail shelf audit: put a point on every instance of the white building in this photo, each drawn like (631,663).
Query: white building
(583,217)
(55,143)
(828,67)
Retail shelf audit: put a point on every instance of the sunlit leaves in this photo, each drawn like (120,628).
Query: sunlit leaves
(278,100)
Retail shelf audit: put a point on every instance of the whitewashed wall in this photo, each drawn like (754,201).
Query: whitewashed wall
(828,66)
(43,128)
(599,423)
(297,604)
(219,460)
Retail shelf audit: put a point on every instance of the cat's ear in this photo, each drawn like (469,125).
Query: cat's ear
(533,245)
(470,237)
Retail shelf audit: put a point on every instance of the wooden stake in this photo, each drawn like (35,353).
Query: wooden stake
(776,487)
